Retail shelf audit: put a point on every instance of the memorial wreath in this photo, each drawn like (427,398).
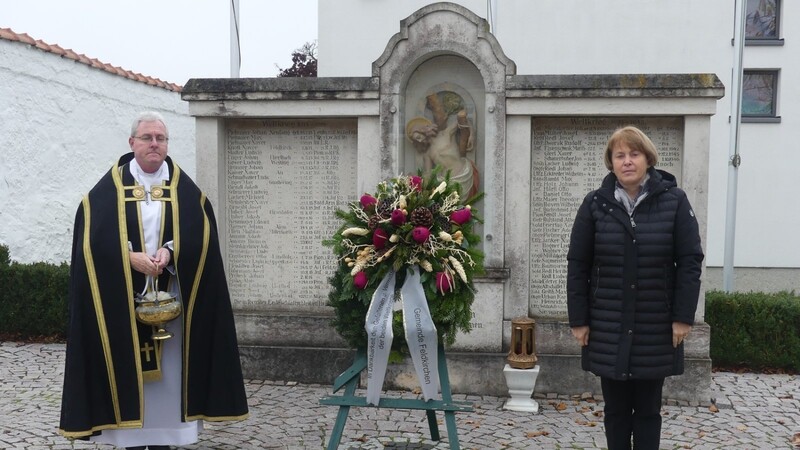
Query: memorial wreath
(409,224)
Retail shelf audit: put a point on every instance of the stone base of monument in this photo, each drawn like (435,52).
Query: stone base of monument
(470,373)
(520,389)
(314,353)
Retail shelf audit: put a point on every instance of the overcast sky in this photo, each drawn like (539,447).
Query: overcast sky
(173,40)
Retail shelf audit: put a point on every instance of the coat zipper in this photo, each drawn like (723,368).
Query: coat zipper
(630,216)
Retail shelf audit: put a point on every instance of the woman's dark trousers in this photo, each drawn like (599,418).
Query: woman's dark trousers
(632,408)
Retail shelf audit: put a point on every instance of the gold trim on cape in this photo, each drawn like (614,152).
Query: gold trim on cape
(98,307)
(123,234)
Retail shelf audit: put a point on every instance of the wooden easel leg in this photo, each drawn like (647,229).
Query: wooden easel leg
(452,430)
(349,380)
(447,397)
(341,416)
(432,424)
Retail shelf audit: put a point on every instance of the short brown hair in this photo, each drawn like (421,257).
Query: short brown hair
(635,139)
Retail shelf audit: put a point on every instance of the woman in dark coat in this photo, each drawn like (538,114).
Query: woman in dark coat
(633,282)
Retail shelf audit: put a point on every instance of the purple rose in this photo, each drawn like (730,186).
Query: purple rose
(420,234)
(398,217)
(444,282)
(360,280)
(367,201)
(416,182)
(461,216)
(379,238)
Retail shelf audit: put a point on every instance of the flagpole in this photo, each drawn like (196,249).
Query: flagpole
(491,15)
(235,49)
(734,158)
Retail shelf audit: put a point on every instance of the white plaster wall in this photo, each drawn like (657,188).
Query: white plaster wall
(768,210)
(549,36)
(633,36)
(354,33)
(63,125)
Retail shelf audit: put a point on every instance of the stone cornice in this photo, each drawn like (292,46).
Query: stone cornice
(289,88)
(624,85)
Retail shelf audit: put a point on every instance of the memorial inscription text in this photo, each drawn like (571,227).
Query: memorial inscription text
(284,180)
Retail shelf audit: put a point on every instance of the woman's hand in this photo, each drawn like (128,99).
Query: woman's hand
(143,263)
(679,332)
(581,334)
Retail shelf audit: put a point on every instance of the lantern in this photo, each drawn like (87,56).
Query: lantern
(523,343)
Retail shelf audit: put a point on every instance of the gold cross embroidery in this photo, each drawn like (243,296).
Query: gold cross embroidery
(147,349)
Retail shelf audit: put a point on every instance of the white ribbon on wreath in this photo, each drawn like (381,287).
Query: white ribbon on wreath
(420,335)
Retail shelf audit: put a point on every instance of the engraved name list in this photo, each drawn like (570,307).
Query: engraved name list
(567,163)
(284,179)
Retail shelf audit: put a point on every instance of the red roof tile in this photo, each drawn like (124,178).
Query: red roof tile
(9,35)
(24,38)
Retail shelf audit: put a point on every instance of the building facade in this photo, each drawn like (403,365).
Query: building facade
(564,37)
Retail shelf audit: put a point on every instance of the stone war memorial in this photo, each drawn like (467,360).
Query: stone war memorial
(278,156)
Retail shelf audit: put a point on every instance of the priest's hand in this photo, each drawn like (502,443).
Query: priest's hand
(143,263)
(162,259)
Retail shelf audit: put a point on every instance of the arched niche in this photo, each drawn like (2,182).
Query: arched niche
(441,48)
(444,102)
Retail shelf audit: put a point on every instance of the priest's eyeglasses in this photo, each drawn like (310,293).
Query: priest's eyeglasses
(149,138)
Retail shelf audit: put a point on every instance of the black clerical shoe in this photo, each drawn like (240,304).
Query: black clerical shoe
(143,447)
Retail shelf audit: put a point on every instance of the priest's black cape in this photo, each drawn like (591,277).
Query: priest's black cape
(103,378)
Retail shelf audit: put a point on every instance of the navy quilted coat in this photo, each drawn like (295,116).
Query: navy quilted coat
(630,276)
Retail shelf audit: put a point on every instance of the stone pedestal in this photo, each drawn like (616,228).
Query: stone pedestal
(520,389)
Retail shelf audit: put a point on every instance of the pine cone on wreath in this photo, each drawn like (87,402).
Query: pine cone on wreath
(444,223)
(373,222)
(422,217)
(385,208)
(435,208)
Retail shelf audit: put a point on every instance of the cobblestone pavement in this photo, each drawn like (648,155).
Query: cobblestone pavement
(754,412)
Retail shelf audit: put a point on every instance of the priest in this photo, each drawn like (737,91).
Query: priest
(147,223)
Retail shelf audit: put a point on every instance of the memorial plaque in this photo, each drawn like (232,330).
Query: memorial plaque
(566,164)
(284,179)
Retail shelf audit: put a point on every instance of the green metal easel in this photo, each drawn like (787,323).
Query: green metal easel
(350,377)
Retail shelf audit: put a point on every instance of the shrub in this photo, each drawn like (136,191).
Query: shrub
(33,298)
(754,329)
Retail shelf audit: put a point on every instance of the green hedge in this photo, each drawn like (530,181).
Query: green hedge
(755,330)
(33,298)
